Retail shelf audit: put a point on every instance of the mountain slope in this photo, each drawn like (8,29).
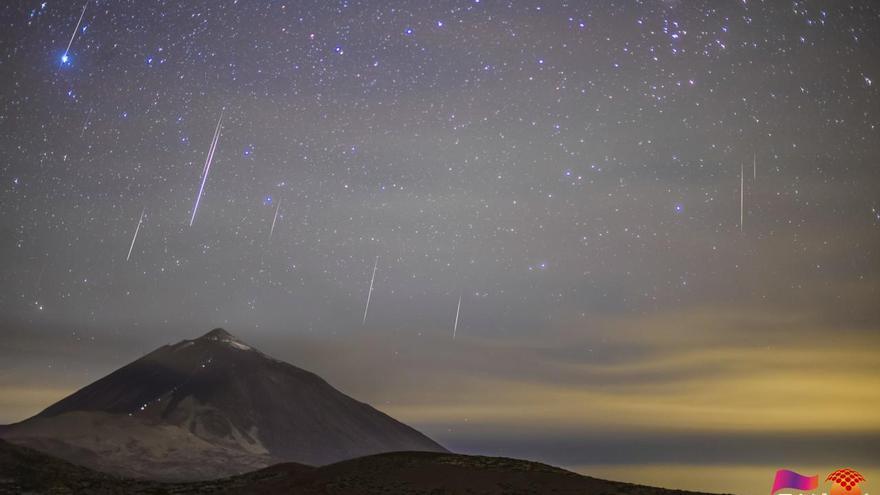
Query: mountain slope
(211,407)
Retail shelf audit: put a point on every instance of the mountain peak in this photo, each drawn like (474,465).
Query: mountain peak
(218,334)
(221,335)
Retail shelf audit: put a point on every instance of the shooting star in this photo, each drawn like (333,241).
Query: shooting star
(207,167)
(755,166)
(457,312)
(86,123)
(65,58)
(742,182)
(274,219)
(136,230)
(370,293)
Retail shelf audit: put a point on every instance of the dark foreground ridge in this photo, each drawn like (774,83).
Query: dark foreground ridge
(208,408)
(24,470)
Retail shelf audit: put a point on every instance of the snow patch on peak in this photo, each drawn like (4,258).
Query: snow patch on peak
(183,345)
(238,345)
(220,335)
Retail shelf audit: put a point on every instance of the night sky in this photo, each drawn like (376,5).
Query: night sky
(571,170)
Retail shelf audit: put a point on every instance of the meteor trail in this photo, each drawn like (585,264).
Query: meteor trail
(86,123)
(207,167)
(457,312)
(370,293)
(72,36)
(741,195)
(134,238)
(755,166)
(274,219)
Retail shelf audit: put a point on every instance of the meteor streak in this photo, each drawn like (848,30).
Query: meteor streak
(64,57)
(370,293)
(274,219)
(136,230)
(207,167)
(755,166)
(457,312)
(742,182)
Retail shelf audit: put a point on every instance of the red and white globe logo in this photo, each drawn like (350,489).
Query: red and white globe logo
(845,482)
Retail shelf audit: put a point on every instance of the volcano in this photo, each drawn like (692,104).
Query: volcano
(207,408)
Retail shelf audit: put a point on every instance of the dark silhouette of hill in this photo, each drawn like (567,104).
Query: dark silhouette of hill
(24,470)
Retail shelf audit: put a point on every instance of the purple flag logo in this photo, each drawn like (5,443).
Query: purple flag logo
(791,479)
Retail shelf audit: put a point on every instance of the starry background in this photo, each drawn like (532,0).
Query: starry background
(570,169)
